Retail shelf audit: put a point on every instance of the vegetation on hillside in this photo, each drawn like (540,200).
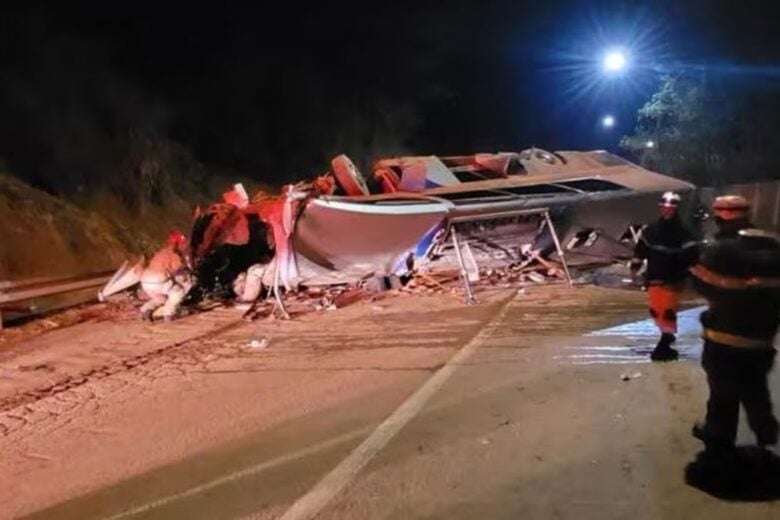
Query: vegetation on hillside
(708,131)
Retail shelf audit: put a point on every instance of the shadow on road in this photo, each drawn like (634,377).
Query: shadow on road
(749,474)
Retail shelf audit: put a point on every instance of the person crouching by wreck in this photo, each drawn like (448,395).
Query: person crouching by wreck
(167,279)
(739,276)
(670,250)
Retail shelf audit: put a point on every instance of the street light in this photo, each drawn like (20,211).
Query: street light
(650,144)
(614,61)
(608,121)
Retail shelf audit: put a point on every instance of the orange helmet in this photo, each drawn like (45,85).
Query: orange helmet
(731,207)
(177,239)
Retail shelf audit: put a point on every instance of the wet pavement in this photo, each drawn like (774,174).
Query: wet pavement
(551,411)
(637,339)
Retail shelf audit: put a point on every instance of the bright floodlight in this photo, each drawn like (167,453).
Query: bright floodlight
(614,61)
(608,121)
(650,144)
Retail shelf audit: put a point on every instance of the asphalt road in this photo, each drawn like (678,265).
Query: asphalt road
(534,405)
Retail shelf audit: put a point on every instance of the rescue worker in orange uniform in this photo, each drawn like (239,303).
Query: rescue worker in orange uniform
(739,275)
(167,279)
(669,249)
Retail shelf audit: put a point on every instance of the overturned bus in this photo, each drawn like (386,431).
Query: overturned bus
(428,212)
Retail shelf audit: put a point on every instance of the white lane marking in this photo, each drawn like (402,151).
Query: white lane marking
(253,470)
(334,482)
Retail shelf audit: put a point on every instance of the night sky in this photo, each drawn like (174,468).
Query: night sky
(279,87)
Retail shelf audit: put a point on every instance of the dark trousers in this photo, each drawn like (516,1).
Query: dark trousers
(738,375)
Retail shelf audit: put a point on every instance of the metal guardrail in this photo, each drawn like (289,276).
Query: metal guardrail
(14,292)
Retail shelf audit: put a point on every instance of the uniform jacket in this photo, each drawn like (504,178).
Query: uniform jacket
(670,250)
(739,275)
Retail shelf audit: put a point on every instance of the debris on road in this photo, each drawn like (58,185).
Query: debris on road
(631,374)
(259,343)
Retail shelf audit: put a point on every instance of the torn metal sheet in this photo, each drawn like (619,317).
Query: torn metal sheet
(237,197)
(127,276)
(416,174)
(337,240)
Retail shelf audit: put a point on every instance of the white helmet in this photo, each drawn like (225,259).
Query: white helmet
(670,200)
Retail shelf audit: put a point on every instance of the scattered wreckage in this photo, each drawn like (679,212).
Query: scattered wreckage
(422,214)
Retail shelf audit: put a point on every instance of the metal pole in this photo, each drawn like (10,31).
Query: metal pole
(755,196)
(470,300)
(279,301)
(554,234)
(776,220)
(635,234)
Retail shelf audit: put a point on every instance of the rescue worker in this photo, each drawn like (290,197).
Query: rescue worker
(670,250)
(739,275)
(167,279)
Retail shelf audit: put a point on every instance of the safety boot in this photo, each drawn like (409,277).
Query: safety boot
(663,350)
(713,445)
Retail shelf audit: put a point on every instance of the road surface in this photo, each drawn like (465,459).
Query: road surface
(538,404)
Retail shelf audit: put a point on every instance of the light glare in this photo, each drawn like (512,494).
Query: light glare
(615,61)
(608,121)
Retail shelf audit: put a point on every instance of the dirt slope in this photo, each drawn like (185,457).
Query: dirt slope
(45,235)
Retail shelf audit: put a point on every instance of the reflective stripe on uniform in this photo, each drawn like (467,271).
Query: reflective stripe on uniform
(732,282)
(667,249)
(733,340)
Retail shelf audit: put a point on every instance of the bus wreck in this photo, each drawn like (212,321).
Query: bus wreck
(428,212)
